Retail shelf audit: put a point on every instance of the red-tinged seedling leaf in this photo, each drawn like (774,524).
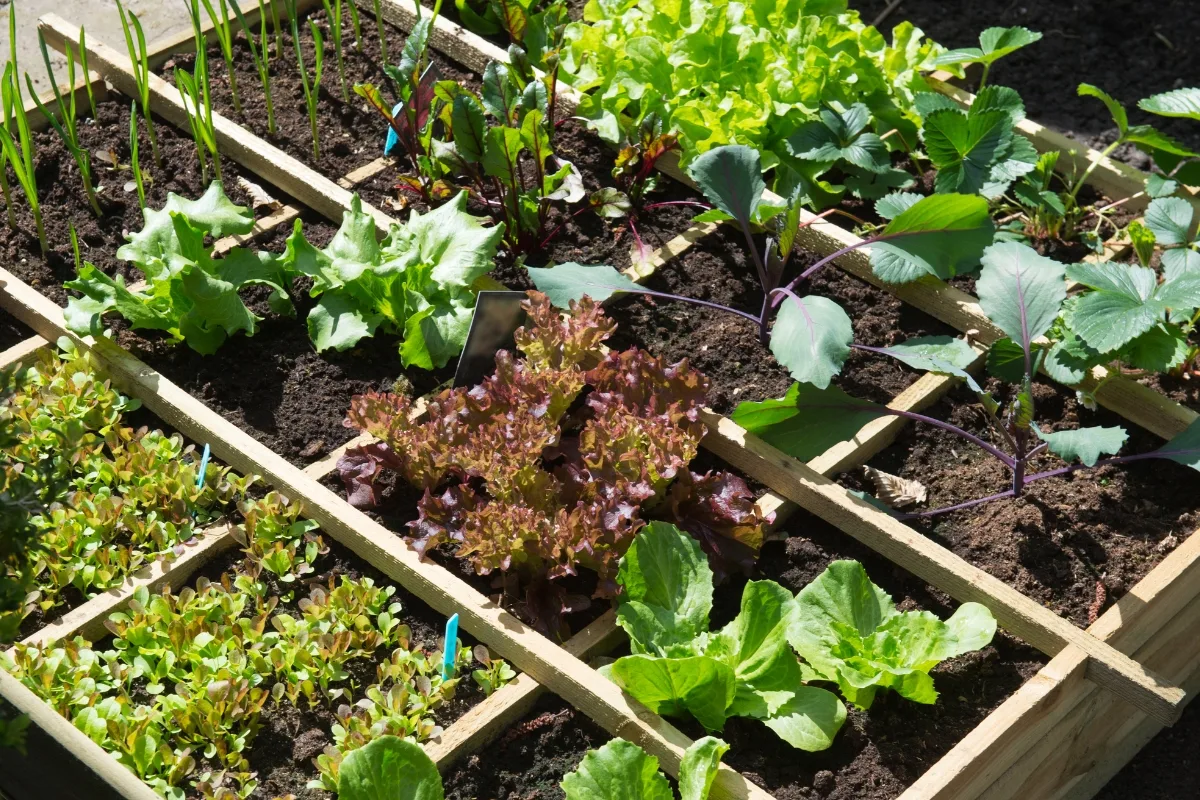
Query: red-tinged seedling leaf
(719,510)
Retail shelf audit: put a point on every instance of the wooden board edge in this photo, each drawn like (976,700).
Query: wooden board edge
(938,566)
(162,49)
(21,351)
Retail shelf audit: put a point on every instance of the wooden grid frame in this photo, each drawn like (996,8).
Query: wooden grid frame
(998,759)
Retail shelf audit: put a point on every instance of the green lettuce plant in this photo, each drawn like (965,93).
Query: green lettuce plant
(399,769)
(419,282)
(189,295)
(678,667)
(724,73)
(849,632)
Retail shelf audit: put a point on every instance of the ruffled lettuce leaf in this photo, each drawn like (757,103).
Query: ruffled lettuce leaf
(417,283)
(849,632)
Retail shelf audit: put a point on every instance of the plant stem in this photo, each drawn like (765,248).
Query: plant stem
(383,46)
(696,203)
(1092,166)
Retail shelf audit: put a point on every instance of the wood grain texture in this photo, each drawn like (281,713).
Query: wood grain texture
(21,351)
(82,770)
(1032,722)
(159,51)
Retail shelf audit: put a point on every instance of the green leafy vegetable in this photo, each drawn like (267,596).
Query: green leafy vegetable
(417,283)
(621,770)
(848,630)
(189,294)
(745,669)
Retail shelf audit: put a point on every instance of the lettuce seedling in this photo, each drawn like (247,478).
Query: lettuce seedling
(189,295)
(811,336)
(621,769)
(419,282)
(849,632)
(528,483)
(678,667)
(1023,294)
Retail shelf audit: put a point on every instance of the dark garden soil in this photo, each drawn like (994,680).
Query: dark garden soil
(291,736)
(1074,544)
(726,347)
(879,752)
(350,133)
(1081,37)
(529,759)
(1167,769)
(11,331)
(63,201)
(275,386)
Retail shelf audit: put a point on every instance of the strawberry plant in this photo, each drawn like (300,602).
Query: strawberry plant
(1024,294)
(538,496)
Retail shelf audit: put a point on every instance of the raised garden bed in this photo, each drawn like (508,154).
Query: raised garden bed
(1125,675)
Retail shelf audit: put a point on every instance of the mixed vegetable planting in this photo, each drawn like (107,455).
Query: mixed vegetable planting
(570,479)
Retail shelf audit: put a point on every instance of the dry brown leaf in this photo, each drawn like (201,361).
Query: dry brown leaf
(259,198)
(897,492)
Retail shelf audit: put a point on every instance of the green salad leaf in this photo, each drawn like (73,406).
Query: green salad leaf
(419,282)
(848,630)
(621,770)
(745,669)
(389,768)
(188,294)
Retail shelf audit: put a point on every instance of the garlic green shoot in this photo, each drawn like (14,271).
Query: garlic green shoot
(66,126)
(260,52)
(224,34)
(135,164)
(19,152)
(383,45)
(135,43)
(311,87)
(333,12)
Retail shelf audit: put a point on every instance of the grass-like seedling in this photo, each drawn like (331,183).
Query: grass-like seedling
(224,33)
(383,46)
(135,42)
(134,164)
(333,11)
(357,25)
(75,247)
(194,87)
(83,62)
(260,51)
(66,127)
(311,88)
(19,152)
